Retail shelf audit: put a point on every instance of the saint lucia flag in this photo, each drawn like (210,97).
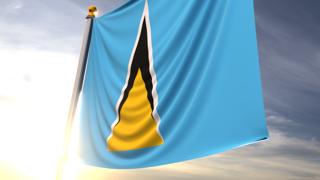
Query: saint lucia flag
(171,80)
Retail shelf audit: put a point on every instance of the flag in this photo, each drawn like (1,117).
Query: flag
(168,81)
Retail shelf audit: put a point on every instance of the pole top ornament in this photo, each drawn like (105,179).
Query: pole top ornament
(92,11)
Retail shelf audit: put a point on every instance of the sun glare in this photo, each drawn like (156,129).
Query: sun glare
(35,92)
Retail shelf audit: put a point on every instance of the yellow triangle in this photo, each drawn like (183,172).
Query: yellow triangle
(136,127)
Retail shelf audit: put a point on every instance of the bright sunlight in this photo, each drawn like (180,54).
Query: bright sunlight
(34,100)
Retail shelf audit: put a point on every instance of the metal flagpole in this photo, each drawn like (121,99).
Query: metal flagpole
(76,90)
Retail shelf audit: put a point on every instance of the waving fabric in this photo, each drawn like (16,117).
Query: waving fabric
(168,81)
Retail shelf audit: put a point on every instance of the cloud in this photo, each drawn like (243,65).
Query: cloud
(41,25)
(289,45)
(37,38)
(281,157)
(13,7)
(47,25)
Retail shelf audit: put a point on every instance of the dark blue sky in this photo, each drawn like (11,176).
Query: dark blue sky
(289,43)
(288,33)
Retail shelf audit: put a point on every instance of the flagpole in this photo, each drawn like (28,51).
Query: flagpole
(78,84)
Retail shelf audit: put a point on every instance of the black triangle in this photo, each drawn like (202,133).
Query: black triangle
(140,61)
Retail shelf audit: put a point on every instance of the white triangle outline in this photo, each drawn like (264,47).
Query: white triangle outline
(155,114)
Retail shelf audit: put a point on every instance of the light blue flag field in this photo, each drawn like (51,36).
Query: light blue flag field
(168,81)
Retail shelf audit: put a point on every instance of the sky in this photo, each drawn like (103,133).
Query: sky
(40,43)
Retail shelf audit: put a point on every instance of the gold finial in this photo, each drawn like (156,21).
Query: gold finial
(92,12)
